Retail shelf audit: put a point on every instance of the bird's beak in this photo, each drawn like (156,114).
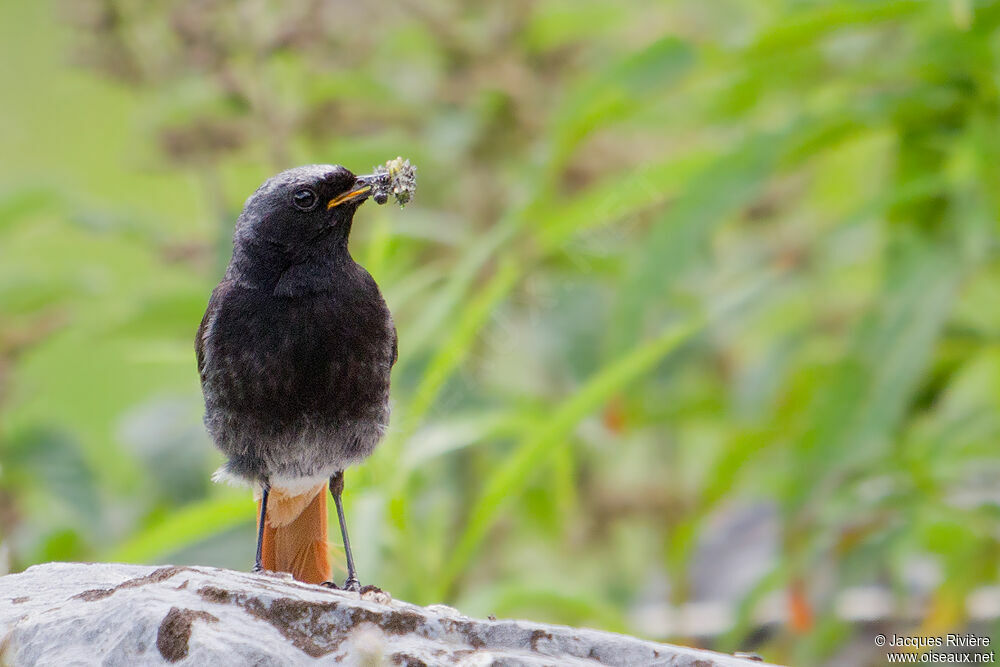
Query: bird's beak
(362,188)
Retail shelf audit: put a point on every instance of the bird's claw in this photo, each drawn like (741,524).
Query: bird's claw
(352,585)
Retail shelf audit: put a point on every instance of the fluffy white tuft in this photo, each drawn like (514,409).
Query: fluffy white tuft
(223,476)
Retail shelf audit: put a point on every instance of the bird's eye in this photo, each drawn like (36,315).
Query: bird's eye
(304,199)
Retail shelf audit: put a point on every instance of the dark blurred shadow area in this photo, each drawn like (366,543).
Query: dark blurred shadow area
(697,301)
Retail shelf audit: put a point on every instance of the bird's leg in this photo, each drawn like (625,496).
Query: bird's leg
(258,565)
(336,489)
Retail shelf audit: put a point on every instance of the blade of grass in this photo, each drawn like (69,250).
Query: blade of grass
(806,27)
(457,433)
(450,354)
(185,527)
(436,314)
(852,414)
(606,95)
(617,197)
(619,91)
(532,453)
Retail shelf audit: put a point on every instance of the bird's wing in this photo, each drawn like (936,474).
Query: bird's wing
(395,347)
(204,329)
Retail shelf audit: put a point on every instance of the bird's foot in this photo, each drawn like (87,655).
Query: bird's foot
(258,569)
(349,585)
(367,592)
(352,585)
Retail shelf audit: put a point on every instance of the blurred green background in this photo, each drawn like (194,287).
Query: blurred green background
(697,301)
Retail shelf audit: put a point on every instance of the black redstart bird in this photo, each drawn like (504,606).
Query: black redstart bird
(295,352)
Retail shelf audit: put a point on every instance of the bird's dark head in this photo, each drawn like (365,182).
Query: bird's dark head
(299,215)
(302,206)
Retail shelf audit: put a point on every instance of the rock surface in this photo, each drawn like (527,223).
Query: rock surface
(110,614)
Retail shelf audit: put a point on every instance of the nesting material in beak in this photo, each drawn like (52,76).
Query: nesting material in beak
(397,178)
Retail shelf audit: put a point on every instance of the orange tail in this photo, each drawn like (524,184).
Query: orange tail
(295,535)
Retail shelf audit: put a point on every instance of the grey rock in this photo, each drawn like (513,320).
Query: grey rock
(111,614)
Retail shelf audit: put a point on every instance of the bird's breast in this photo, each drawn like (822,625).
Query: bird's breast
(316,357)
